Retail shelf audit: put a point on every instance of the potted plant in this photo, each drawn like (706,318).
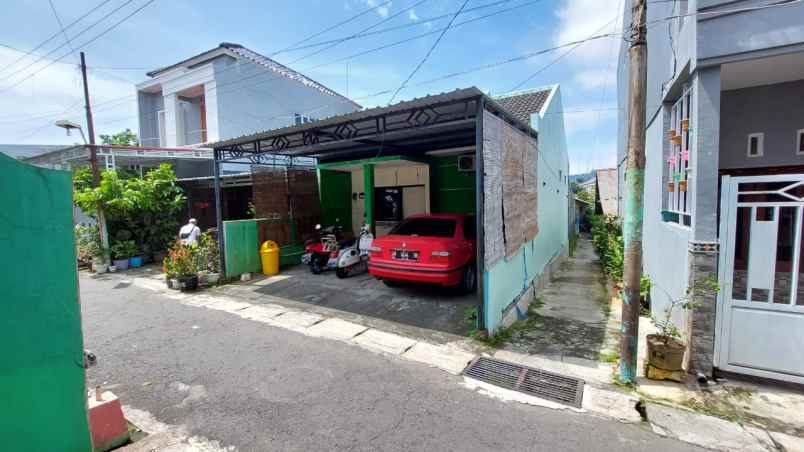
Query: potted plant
(208,259)
(665,348)
(182,264)
(122,251)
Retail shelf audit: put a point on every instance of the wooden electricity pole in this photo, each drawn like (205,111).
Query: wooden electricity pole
(634,190)
(93,156)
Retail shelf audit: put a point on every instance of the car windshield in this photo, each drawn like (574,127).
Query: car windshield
(428,227)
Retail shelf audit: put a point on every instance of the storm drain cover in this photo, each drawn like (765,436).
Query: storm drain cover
(527,380)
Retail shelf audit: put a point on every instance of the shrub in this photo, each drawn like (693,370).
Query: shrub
(181,261)
(124,249)
(208,253)
(607,238)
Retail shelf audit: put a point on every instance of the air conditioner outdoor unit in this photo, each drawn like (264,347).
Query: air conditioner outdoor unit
(466,163)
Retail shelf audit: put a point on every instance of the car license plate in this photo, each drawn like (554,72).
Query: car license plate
(406,255)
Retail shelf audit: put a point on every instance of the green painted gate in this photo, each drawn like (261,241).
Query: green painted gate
(241,247)
(336,198)
(42,388)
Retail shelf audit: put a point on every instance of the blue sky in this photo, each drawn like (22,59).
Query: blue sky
(167,31)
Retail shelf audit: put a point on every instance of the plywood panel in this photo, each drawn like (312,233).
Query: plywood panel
(414,200)
(494,248)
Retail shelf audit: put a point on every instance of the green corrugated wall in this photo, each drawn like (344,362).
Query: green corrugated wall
(241,248)
(452,191)
(336,198)
(42,391)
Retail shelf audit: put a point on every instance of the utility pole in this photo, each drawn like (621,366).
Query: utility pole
(93,156)
(634,190)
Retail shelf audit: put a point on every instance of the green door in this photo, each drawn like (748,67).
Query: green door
(42,393)
(336,198)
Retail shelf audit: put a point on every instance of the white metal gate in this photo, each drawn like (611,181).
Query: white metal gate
(760,311)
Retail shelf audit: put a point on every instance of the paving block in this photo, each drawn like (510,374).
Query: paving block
(336,329)
(106,422)
(260,313)
(790,443)
(296,320)
(706,431)
(613,404)
(445,358)
(381,341)
(227,305)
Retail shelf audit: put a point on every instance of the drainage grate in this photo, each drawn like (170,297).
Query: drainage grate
(535,382)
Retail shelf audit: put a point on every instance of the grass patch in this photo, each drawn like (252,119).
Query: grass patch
(610,357)
(504,334)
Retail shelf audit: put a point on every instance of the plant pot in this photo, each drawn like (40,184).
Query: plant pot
(682,186)
(121,264)
(112,269)
(100,267)
(135,261)
(173,283)
(671,187)
(209,279)
(665,353)
(188,283)
(685,124)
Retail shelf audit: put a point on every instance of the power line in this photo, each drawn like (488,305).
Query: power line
(53,36)
(343,22)
(387,19)
(82,45)
(429,52)
(52,51)
(61,26)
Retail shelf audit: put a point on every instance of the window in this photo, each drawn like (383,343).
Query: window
(800,142)
(426,227)
(756,143)
(679,180)
(469,228)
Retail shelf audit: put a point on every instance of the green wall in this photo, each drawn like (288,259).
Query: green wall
(451,190)
(42,391)
(241,249)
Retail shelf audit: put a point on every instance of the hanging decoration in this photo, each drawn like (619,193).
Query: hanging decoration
(685,155)
(671,161)
(677,176)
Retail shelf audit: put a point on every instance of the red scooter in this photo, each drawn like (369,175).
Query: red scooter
(323,254)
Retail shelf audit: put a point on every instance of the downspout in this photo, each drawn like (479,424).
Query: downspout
(480,267)
(218,213)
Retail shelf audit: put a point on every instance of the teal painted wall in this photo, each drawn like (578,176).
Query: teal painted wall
(510,277)
(451,190)
(42,391)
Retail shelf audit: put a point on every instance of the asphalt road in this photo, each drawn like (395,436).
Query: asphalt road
(257,387)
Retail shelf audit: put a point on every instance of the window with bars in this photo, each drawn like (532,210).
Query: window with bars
(679,180)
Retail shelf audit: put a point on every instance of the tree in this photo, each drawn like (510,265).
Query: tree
(126,137)
(587,196)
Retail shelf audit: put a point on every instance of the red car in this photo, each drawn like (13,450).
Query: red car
(435,249)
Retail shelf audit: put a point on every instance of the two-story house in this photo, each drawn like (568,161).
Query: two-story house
(724,178)
(227,92)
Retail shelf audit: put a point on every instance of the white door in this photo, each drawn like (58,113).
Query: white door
(760,312)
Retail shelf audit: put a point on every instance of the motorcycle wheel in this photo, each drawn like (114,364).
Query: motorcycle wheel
(342,272)
(315,266)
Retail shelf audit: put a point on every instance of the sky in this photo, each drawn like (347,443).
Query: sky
(41,83)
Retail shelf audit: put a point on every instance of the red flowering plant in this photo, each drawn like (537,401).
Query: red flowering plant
(181,261)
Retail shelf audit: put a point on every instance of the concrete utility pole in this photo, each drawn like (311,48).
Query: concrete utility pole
(93,156)
(634,190)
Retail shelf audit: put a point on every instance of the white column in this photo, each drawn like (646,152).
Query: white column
(173,122)
(211,100)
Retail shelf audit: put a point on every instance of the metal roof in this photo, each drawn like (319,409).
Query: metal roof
(402,124)
(256,58)
(24,151)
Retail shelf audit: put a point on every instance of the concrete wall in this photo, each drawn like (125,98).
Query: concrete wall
(252,99)
(191,115)
(510,284)
(756,30)
(769,109)
(148,104)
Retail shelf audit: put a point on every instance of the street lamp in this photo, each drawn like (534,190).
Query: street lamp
(69,125)
(93,163)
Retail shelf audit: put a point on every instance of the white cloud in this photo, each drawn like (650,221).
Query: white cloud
(383,10)
(580,19)
(596,78)
(580,118)
(413,16)
(29,109)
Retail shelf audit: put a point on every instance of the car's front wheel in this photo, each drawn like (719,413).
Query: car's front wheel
(468,279)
